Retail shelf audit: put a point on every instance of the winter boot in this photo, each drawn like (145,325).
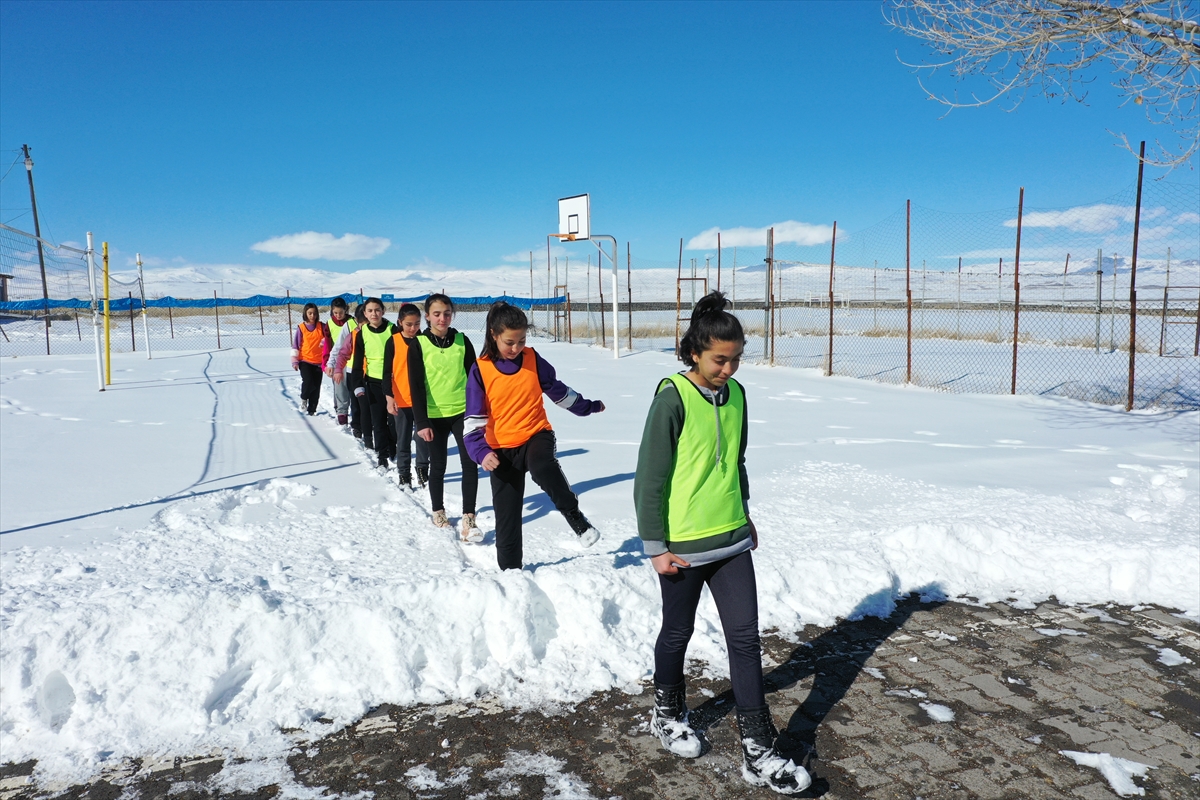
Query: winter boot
(383,461)
(762,765)
(669,721)
(342,419)
(587,534)
(440,520)
(470,531)
(422,476)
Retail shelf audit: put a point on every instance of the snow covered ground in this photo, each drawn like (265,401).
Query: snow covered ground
(190,564)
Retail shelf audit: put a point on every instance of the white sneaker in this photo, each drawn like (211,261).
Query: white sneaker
(470,531)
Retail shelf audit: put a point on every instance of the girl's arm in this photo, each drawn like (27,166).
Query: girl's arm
(562,395)
(469,357)
(389,356)
(357,365)
(743,478)
(656,457)
(475,423)
(326,345)
(416,384)
(341,351)
(296,342)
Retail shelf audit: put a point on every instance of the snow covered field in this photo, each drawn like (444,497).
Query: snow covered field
(190,564)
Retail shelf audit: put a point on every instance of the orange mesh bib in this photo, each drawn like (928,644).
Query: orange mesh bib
(310,343)
(515,405)
(400,387)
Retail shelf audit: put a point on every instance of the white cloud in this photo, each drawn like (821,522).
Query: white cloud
(1187,217)
(1099,218)
(312,245)
(801,233)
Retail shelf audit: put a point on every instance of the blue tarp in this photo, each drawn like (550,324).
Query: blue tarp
(265,301)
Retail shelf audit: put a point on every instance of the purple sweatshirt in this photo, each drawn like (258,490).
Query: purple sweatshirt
(476,419)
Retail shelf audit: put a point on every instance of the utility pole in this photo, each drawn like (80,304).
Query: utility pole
(37,232)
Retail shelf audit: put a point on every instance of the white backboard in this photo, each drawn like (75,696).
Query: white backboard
(575,217)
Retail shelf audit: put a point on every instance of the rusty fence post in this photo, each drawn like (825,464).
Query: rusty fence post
(908,285)
(217,313)
(1017,289)
(1137,221)
(832,253)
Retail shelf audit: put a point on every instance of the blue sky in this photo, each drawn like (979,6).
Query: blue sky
(192,132)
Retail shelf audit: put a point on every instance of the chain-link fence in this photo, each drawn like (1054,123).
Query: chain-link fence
(933,298)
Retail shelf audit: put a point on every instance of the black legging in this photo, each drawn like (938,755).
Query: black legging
(310,385)
(403,422)
(731,582)
(383,436)
(442,428)
(536,457)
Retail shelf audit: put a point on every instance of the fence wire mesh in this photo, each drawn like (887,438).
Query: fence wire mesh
(924,296)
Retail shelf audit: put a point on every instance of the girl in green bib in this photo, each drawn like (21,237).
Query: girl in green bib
(439,360)
(692,495)
(369,343)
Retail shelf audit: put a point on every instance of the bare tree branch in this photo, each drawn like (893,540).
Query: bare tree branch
(1057,47)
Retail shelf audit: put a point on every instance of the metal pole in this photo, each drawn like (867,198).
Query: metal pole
(217,313)
(132,337)
(1017,289)
(171,320)
(958,304)
(908,283)
(107,320)
(262,329)
(37,232)
(548,289)
(1137,220)
(531,285)
(1000,302)
(1062,315)
(678,292)
(733,301)
(771,285)
(718,261)
(289,307)
(91,262)
(1112,310)
(1162,331)
(629,292)
(145,321)
(616,302)
(832,252)
(1099,294)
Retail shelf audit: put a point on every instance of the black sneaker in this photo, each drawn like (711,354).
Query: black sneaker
(357,433)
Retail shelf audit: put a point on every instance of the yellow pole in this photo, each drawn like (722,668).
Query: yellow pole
(107,327)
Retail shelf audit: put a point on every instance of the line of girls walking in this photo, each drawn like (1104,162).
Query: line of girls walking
(691,490)
(395,383)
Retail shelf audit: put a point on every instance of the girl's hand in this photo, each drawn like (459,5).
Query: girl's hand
(490,462)
(391,406)
(296,365)
(426,434)
(601,408)
(753,533)
(668,563)
(337,376)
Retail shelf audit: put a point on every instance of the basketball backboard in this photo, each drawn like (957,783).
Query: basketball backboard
(575,217)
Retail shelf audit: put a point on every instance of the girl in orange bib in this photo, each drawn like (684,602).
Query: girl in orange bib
(508,434)
(310,350)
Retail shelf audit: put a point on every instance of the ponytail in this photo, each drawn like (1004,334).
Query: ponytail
(501,317)
(710,323)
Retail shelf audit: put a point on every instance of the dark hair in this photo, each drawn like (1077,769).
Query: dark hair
(501,317)
(710,323)
(360,315)
(407,310)
(307,306)
(370,300)
(438,297)
(337,302)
